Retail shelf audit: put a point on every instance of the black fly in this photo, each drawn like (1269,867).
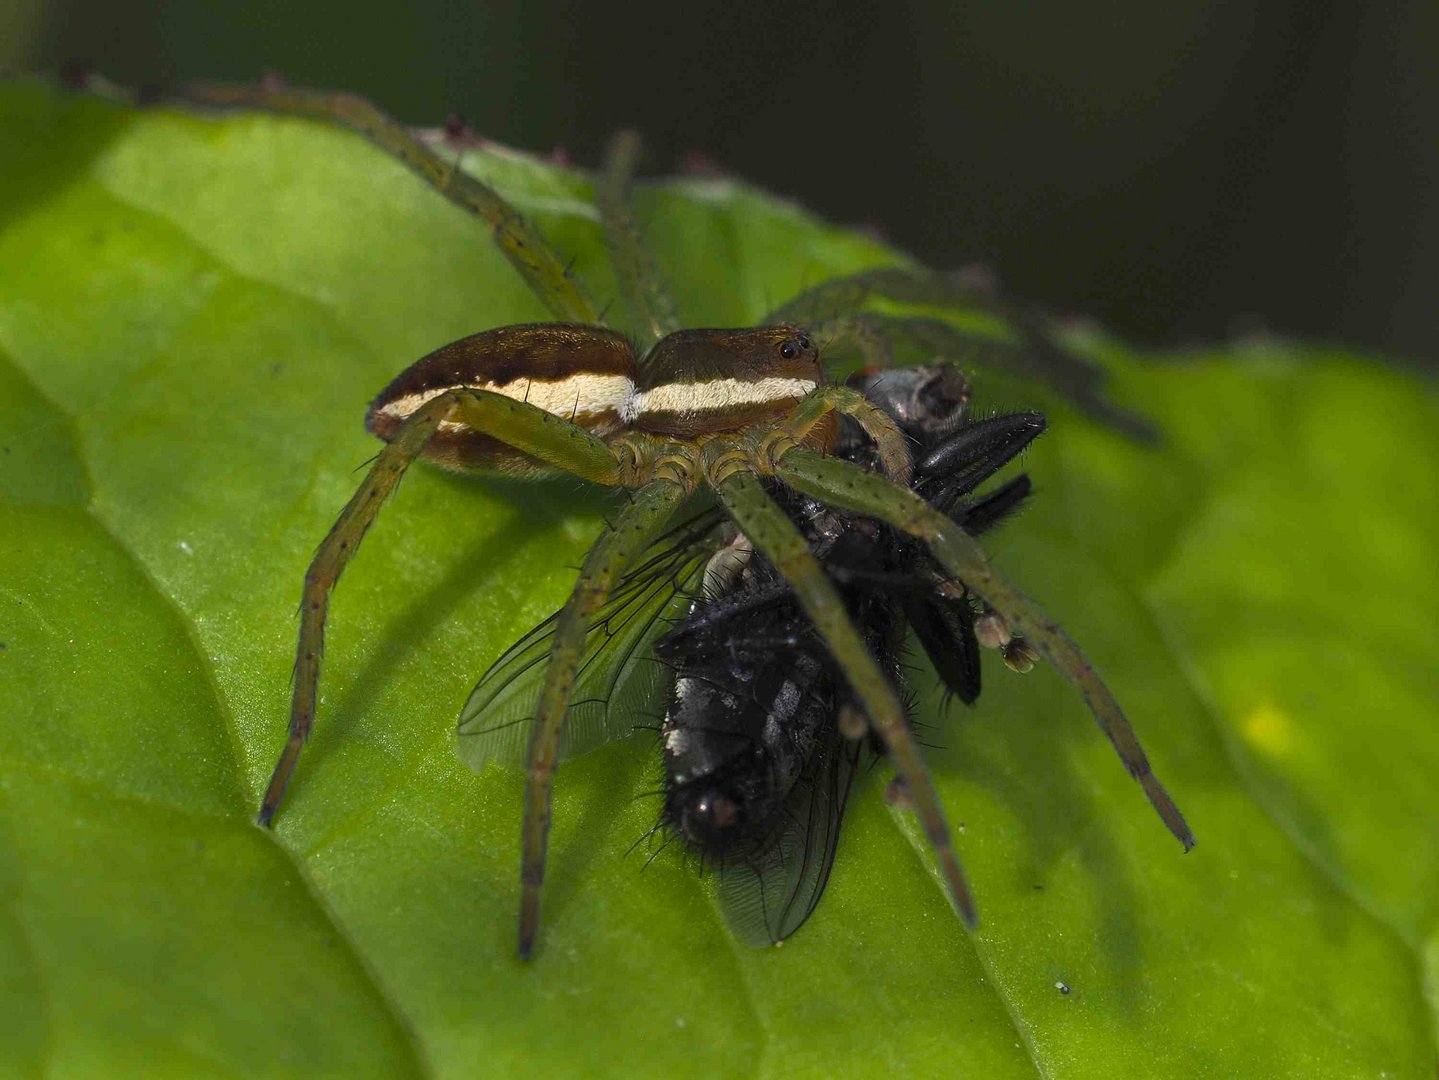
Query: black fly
(762,737)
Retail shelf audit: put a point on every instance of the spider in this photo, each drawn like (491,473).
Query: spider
(675,418)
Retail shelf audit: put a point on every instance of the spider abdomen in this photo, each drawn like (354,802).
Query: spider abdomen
(583,374)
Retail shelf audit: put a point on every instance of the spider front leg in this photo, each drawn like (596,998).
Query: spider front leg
(848,292)
(890,442)
(1037,350)
(775,536)
(522,244)
(860,334)
(843,484)
(515,423)
(642,521)
(875,336)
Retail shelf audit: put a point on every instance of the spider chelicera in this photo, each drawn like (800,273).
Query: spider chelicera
(676,417)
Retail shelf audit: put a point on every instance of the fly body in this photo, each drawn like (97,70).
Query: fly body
(758,757)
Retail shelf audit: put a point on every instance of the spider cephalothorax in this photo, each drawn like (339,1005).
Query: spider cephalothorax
(684,416)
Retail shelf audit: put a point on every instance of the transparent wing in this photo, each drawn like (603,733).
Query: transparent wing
(620,684)
(766,897)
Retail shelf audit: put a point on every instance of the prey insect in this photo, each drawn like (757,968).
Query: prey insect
(679,420)
(762,737)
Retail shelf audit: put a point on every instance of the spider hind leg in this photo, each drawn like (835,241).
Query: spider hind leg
(542,268)
(526,428)
(639,279)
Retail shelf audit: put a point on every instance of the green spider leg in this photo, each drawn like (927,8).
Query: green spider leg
(850,292)
(775,536)
(524,427)
(1037,352)
(890,442)
(860,334)
(840,483)
(875,336)
(641,522)
(638,277)
(547,275)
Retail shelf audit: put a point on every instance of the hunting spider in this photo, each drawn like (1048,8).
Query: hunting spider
(676,419)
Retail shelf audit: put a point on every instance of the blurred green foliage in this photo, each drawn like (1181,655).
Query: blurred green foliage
(1180,171)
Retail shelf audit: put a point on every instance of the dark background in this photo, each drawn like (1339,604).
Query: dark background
(1185,171)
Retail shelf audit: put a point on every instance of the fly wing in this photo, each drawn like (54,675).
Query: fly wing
(620,686)
(767,896)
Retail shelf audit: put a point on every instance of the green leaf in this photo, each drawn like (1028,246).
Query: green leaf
(193,314)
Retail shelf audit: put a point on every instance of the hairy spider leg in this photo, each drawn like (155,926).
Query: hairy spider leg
(527,250)
(944,342)
(524,427)
(641,522)
(860,334)
(889,441)
(1033,353)
(1037,350)
(639,279)
(775,536)
(849,292)
(842,484)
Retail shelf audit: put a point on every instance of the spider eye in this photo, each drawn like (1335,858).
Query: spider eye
(804,342)
(788,350)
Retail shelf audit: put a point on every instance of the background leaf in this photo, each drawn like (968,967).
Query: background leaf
(193,314)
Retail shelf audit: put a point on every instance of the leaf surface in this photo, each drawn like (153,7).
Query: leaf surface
(193,315)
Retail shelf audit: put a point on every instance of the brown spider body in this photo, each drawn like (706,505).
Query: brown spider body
(690,387)
(585,374)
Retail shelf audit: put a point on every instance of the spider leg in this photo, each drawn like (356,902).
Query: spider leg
(891,443)
(859,332)
(1033,352)
(548,275)
(875,335)
(776,537)
(843,484)
(525,427)
(639,278)
(849,292)
(641,521)
(1037,350)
